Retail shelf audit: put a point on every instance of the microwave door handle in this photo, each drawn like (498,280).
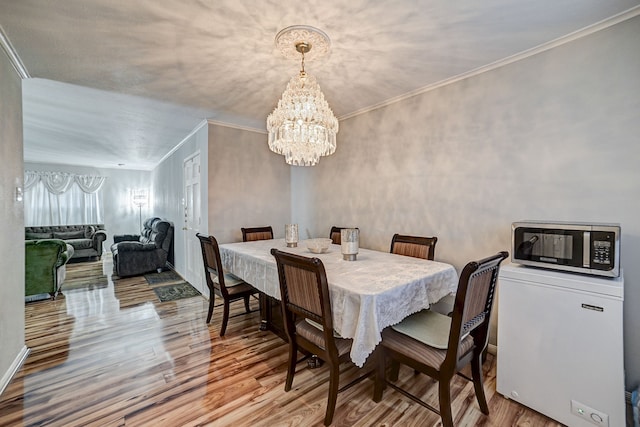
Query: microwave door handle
(586,249)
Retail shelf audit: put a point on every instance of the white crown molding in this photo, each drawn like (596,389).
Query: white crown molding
(598,26)
(13,55)
(181,143)
(234,126)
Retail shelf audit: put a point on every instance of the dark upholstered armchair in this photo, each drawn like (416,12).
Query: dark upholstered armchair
(139,254)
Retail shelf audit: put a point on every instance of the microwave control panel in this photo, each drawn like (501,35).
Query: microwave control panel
(602,248)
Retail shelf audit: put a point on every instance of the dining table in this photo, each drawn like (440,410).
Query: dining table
(377,290)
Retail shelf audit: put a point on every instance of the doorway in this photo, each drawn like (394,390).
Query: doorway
(192,221)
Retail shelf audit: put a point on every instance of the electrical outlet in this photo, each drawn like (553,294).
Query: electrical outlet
(592,415)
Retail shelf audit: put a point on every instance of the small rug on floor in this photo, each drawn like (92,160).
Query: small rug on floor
(176,291)
(163,277)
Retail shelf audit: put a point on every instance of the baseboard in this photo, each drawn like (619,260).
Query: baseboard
(15,367)
(492,349)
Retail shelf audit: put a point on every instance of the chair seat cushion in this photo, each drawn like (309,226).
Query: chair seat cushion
(319,327)
(316,336)
(229,280)
(429,327)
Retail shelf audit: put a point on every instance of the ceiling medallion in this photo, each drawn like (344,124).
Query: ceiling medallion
(288,38)
(302,127)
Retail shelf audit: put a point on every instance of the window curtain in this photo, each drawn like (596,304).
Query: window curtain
(57,198)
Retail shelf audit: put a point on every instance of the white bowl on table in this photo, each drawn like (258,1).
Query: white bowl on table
(319,245)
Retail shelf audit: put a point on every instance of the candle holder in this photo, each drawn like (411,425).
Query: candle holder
(291,235)
(350,238)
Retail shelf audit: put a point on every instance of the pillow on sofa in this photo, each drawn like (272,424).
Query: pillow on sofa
(37,236)
(64,235)
(89,231)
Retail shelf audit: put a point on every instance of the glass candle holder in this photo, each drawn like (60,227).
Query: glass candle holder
(350,241)
(291,235)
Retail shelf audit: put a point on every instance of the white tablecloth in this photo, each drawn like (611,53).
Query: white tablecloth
(378,290)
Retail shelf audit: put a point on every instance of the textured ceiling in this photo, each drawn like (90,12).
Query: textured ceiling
(120,81)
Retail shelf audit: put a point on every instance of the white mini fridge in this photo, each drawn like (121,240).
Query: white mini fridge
(560,346)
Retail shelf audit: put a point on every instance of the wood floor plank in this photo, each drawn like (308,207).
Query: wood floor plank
(107,352)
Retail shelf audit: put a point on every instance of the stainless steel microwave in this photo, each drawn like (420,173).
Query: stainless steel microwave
(576,247)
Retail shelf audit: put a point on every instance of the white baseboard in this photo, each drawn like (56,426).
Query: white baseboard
(15,367)
(493,349)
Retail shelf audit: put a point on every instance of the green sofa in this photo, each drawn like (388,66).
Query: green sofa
(45,262)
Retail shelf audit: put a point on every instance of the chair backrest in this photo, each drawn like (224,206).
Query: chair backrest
(335,235)
(257,233)
(212,264)
(304,293)
(473,303)
(414,246)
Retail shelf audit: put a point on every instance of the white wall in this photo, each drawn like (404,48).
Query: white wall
(12,341)
(551,137)
(168,189)
(120,215)
(249,186)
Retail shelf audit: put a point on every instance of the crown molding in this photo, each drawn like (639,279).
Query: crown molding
(181,143)
(13,55)
(598,26)
(235,126)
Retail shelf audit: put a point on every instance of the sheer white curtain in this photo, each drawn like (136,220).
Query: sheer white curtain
(54,198)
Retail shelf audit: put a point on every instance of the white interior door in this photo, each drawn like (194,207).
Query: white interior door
(192,221)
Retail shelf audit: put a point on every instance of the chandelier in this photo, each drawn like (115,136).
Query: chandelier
(302,127)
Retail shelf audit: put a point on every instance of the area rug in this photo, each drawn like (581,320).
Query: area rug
(163,277)
(176,291)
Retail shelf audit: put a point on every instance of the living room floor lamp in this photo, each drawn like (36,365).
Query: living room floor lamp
(140,198)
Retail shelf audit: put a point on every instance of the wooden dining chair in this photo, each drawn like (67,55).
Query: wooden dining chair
(229,287)
(438,345)
(256,233)
(414,246)
(308,320)
(335,235)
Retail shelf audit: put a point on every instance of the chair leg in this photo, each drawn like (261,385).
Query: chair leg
(444,392)
(225,318)
(291,368)
(334,381)
(394,370)
(478,383)
(212,299)
(380,380)
(246,304)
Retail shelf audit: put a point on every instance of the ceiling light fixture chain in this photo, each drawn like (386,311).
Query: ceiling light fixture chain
(302,127)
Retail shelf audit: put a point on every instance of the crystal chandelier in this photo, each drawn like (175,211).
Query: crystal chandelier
(302,127)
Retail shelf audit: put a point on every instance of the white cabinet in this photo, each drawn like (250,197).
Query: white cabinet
(560,347)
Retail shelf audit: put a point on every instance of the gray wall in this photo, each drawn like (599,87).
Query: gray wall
(120,215)
(551,137)
(168,189)
(12,342)
(248,184)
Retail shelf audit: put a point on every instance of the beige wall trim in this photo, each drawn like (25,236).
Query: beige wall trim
(598,26)
(13,55)
(14,368)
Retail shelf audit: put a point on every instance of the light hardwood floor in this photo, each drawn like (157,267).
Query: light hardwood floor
(109,353)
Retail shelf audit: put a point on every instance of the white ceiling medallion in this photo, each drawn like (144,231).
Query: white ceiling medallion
(290,37)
